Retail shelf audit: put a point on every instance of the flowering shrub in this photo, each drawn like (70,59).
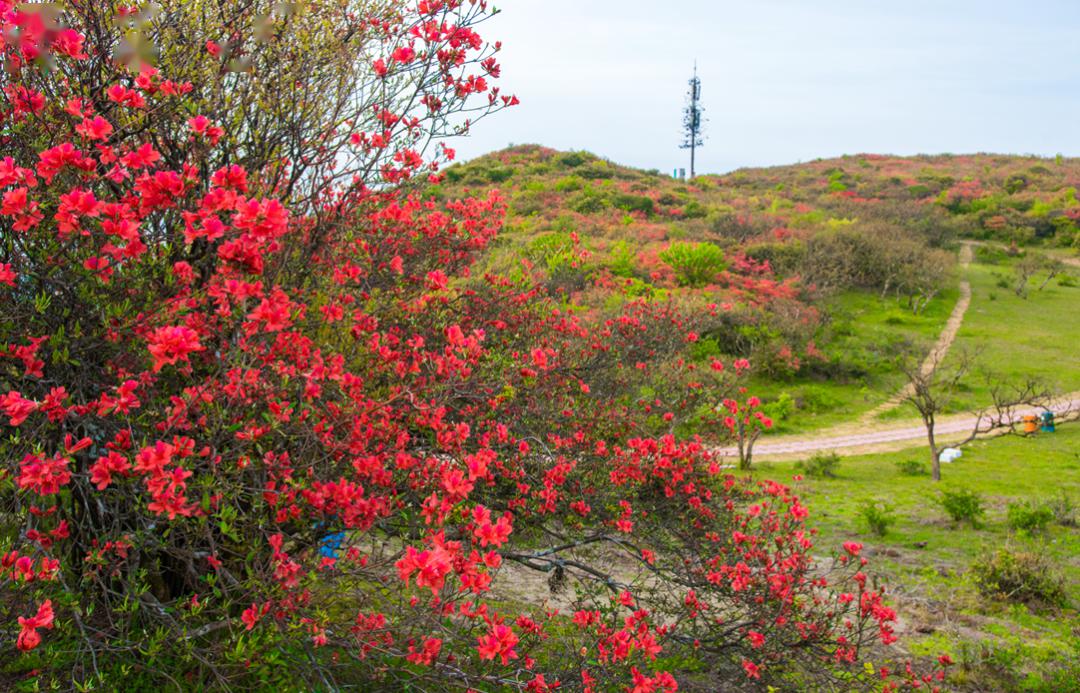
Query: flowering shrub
(263,425)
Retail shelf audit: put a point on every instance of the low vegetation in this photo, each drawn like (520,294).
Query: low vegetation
(829,274)
(1001,602)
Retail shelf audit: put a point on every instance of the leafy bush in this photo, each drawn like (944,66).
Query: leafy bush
(573,159)
(587,201)
(569,184)
(878,516)
(499,175)
(1063,509)
(695,264)
(695,210)
(912,467)
(526,203)
(622,259)
(1028,516)
(1016,183)
(597,170)
(820,465)
(784,258)
(633,203)
(1029,577)
(816,400)
(963,506)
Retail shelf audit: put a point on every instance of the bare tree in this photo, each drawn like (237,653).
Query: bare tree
(1024,271)
(932,389)
(1031,265)
(1053,268)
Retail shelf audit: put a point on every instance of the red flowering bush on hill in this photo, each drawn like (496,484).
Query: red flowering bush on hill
(263,426)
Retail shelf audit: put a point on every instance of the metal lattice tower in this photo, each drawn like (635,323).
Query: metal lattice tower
(693,120)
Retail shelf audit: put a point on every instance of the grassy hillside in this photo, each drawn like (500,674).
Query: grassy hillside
(1025,199)
(826,273)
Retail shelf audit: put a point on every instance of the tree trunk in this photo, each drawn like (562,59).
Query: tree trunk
(746,447)
(935,455)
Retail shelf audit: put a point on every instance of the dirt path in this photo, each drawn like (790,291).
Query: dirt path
(869,435)
(854,439)
(944,342)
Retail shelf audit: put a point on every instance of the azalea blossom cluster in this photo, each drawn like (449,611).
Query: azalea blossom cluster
(258,412)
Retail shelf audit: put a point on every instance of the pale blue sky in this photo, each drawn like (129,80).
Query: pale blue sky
(788,80)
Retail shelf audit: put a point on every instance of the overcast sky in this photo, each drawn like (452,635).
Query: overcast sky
(787,80)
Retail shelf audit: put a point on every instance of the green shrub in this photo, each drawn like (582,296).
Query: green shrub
(1066,280)
(572,159)
(912,468)
(819,466)
(633,203)
(1029,517)
(878,516)
(1027,577)
(784,257)
(569,184)
(526,203)
(622,260)
(555,251)
(695,210)
(597,170)
(1016,183)
(695,264)
(1063,509)
(499,175)
(587,201)
(816,400)
(963,506)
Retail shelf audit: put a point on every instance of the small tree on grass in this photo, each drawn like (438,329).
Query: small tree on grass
(745,421)
(1053,267)
(932,388)
(1026,269)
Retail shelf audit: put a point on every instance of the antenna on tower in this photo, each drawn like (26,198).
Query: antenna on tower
(693,120)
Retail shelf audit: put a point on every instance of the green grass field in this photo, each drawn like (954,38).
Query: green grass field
(1012,338)
(870,334)
(1017,338)
(926,558)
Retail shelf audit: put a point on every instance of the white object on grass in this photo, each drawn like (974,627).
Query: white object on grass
(950,454)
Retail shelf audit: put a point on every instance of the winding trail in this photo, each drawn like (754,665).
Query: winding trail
(944,342)
(854,439)
(868,435)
